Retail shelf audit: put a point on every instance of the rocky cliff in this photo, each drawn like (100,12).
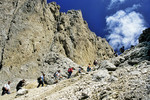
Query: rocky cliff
(126,77)
(145,36)
(32,29)
(36,37)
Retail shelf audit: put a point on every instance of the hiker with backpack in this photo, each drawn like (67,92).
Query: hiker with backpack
(89,68)
(6,88)
(57,76)
(41,80)
(80,71)
(70,70)
(20,84)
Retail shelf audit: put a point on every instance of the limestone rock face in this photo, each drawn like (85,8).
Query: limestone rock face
(31,29)
(29,34)
(145,37)
(54,61)
(126,77)
(74,40)
(133,56)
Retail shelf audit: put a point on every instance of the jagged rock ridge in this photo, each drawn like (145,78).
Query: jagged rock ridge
(145,36)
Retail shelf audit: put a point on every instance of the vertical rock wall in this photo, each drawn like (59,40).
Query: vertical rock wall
(31,29)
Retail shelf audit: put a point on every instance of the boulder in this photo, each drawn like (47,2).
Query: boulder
(108,65)
(101,75)
(22,92)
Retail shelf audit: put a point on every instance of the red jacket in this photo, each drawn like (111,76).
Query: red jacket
(70,70)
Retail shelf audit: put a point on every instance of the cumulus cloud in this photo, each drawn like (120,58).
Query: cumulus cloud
(113,3)
(125,26)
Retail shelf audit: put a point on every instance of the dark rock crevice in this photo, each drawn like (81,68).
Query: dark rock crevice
(12,21)
(66,48)
(15,4)
(2,55)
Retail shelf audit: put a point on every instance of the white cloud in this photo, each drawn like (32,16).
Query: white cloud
(114,3)
(125,26)
(134,7)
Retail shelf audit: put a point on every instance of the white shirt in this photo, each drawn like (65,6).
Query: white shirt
(7,86)
(42,77)
(57,74)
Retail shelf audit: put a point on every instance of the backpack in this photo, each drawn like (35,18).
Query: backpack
(3,88)
(69,70)
(39,78)
(54,74)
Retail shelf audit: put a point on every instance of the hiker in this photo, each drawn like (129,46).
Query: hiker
(132,46)
(70,70)
(41,80)
(122,49)
(6,88)
(20,84)
(95,62)
(57,76)
(80,69)
(89,68)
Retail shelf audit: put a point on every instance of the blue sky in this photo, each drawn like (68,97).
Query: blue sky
(119,21)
